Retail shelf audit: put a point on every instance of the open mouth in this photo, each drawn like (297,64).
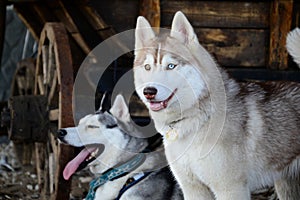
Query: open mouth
(85,156)
(159,105)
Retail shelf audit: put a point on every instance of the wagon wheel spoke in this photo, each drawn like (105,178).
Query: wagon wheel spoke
(53,87)
(54,115)
(51,63)
(20,85)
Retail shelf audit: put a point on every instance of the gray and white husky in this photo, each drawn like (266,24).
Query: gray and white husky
(223,139)
(114,130)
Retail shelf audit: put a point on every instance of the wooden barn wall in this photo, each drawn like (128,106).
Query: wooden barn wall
(239,34)
(120,14)
(236,33)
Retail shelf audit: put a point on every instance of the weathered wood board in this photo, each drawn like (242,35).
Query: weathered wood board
(280,25)
(25,127)
(235,47)
(222,14)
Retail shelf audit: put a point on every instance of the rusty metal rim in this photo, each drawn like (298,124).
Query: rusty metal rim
(57,35)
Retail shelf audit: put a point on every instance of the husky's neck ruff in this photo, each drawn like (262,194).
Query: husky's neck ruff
(244,136)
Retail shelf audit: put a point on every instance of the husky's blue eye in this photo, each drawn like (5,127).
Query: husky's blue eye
(171,66)
(147,67)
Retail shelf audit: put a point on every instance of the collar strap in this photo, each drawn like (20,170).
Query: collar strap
(132,181)
(115,173)
(135,180)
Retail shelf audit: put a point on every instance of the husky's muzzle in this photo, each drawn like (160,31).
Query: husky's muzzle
(156,105)
(86,155)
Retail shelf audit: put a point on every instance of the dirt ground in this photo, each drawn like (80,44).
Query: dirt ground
(16,182)
(19,182)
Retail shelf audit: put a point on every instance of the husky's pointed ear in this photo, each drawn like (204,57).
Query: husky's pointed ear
(293,45)
(182,29)
(103,99)
(120,110)
(143,32)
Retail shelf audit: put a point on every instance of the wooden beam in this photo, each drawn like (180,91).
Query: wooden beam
(43,12)
(219,14)
(296,14)
(93,17)
(64,16)
(29,18)
(280,25)
(150,9)
(99,25)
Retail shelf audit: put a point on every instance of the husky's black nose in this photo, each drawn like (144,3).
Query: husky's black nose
(150,92)
(61,133)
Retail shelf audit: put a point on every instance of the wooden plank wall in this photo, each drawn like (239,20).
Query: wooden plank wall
(239,34)
(236,33)
(280,25)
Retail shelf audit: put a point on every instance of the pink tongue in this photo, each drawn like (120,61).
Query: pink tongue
(156,106)
(72,166)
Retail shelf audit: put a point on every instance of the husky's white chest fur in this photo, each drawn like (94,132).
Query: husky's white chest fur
(222,139)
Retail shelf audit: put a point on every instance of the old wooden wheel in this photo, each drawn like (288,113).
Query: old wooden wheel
(54,79)
(23,84)
(23,81)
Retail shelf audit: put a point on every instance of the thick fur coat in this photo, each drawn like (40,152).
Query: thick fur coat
(223,139)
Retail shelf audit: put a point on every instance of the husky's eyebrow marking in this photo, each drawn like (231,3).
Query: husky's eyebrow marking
(92,126)
(158,61)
